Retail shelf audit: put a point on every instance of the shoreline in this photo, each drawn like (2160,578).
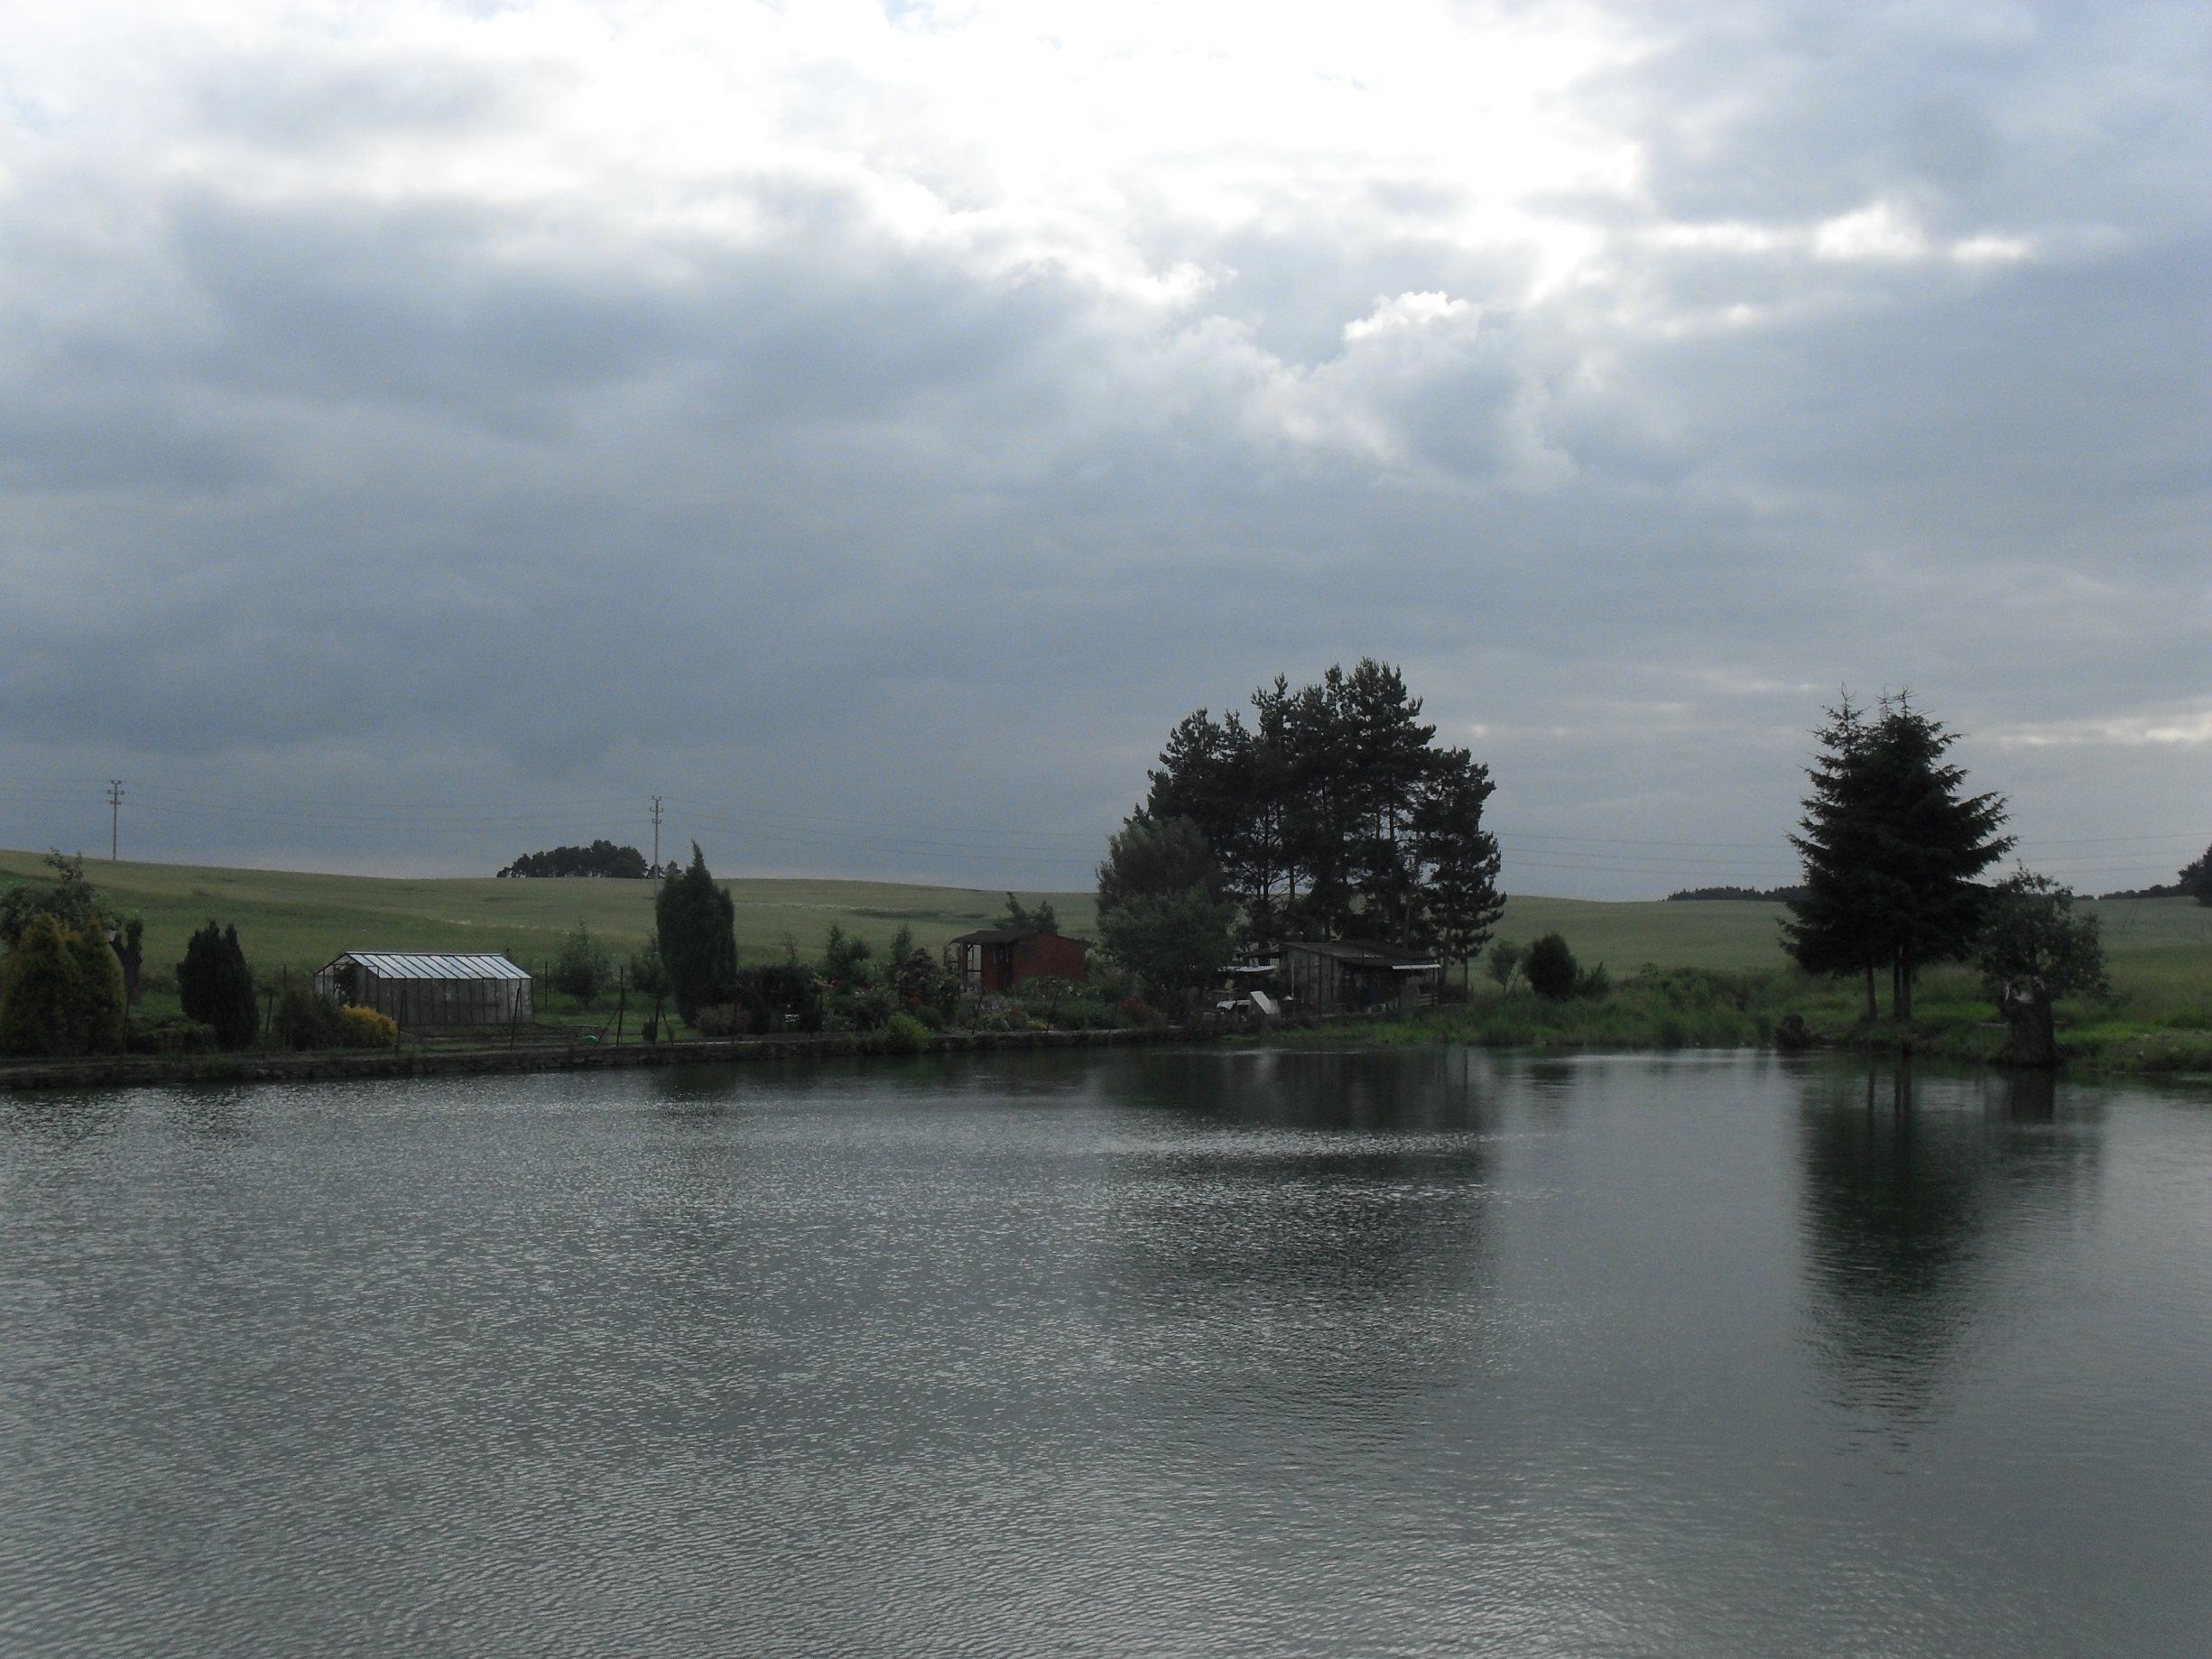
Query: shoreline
(322,1065)
(2180,1055)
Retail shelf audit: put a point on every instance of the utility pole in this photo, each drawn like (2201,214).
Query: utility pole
(656,832)
(115,815)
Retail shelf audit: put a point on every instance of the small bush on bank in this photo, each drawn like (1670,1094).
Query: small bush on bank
(173,1036)
(1504,961)
(584,969)
(903,1033)
(307,1019)
(779,995)
(1551,970)
(866,1008)
(61,992)
(365,1028)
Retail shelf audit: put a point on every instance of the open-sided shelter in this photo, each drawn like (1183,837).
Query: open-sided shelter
(1332,976)
(419,990)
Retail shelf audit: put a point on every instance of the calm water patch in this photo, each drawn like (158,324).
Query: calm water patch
(1129,1352)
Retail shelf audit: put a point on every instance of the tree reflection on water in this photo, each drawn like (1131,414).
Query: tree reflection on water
(1923,1194)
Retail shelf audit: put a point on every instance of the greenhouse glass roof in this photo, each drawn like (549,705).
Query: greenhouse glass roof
(411,965)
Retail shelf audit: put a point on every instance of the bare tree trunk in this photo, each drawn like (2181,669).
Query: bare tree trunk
(1874,1005)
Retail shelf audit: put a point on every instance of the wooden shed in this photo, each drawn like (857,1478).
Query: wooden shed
(420,990)
(1336,976)
(995,960)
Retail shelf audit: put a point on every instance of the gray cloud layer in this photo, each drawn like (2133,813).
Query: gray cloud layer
(422,443)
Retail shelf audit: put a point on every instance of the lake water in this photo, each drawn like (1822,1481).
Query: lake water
(1128,1353)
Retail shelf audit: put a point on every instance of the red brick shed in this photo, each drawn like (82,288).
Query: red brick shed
(992,959)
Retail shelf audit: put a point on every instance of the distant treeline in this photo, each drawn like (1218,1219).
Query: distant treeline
(1783,895)
(599,858)
(1764,895)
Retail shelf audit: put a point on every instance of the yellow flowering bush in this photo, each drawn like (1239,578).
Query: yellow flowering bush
(365,1028)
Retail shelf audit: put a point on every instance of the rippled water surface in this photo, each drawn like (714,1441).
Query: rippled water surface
(1132,1353)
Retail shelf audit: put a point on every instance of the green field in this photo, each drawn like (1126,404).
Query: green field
(290,920)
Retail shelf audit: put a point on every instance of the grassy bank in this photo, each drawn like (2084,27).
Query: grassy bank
(1684,974)
(2158,1019)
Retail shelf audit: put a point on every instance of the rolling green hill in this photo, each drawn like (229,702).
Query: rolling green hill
(288,919)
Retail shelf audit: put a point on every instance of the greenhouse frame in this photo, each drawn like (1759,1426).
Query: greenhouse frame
(419,990)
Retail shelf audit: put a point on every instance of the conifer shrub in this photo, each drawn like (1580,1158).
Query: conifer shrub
(216,988)
(694,932)
(103,1004)
(40,989)
(61,992)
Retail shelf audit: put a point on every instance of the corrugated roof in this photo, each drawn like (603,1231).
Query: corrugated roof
(1364,953)
(412,965)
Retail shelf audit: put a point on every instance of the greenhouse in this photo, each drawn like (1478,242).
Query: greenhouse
(419,990)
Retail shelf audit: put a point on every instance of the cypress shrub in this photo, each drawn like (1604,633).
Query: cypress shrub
(215,986)
(695,930)
(103,1007)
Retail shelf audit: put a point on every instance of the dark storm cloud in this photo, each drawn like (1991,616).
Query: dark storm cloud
(789,479)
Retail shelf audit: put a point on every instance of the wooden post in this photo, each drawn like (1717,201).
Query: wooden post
(621,984)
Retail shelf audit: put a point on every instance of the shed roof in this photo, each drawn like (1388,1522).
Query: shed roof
(1009,935)
(414,965)
(1364,953)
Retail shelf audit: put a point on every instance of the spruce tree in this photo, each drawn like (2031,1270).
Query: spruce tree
(1935,841)
(1831,929)
(1891,848)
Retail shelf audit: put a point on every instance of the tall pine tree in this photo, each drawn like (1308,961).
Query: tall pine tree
(1333,814)
(1461,899)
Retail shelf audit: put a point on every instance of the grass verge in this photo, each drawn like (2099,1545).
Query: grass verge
(2157,1023)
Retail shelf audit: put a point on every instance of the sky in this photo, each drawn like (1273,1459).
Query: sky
(429,431)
